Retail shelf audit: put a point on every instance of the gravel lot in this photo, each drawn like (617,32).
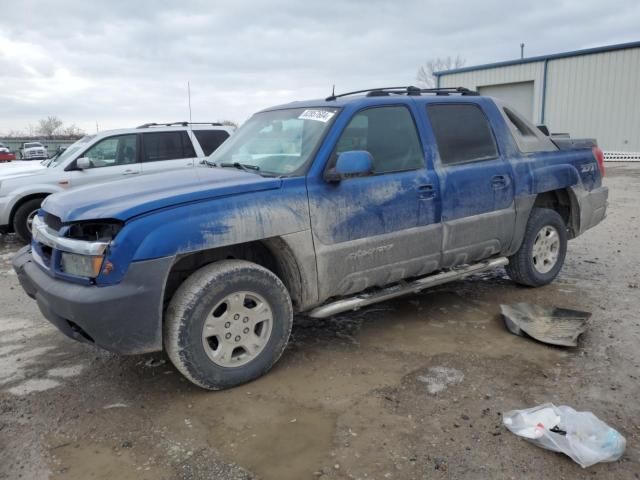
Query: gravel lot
(408,389)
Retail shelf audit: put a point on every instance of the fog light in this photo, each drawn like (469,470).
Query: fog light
(81,265)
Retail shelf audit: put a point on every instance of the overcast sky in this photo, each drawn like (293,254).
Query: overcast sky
(122,63)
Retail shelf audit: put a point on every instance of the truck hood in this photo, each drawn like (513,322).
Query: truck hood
(124,199)
(18,168)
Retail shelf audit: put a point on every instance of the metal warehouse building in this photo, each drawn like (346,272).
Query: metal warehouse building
(586,93)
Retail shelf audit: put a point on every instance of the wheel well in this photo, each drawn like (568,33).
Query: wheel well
(272,254)
(21,202)
(562,202)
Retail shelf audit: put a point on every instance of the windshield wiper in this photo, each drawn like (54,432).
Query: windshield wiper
(247,167)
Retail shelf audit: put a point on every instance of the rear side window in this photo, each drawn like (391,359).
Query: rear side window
(210,140)
(462,133)
(388,134)
(160,146)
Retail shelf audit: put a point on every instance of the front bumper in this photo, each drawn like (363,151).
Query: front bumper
(125,318)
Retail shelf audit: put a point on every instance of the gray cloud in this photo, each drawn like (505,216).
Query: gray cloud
(122,63)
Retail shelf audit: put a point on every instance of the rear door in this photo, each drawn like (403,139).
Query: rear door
(375,230)
(167,151)
(478,212)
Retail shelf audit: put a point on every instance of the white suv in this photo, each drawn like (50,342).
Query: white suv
(104,156)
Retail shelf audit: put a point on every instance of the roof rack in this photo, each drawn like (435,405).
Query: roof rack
(410,90)
(183,124)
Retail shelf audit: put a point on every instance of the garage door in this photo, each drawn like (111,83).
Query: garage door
(518,95)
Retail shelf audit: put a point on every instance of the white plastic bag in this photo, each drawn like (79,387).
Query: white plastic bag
(580,435)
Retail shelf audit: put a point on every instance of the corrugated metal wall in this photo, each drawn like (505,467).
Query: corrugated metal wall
(501,75)
(595,95)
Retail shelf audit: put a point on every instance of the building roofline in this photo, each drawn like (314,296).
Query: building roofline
(541,58)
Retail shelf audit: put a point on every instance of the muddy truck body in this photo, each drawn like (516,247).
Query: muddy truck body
(312,208)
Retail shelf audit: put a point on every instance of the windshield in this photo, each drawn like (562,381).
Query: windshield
(70,151)
(278,142)
(31,145)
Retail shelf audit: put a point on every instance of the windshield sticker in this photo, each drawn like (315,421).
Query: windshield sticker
(318,115)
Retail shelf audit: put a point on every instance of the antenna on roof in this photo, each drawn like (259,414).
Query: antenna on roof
(189,97)
(333,90)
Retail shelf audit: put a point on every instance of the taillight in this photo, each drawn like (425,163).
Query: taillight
(599,156)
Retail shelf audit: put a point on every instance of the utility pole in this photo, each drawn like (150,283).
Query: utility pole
(522,50)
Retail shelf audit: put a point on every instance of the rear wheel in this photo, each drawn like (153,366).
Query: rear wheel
(227,324)
(23,218)
(543,250)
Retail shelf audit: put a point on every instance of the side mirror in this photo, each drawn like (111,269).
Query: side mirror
(355,163)
(83,163)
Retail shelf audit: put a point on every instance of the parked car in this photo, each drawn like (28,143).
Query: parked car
(5,154)
(108,155)
(33,151)
(315,207)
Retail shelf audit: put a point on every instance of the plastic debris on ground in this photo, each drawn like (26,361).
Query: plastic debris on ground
(580,435)
(553,325)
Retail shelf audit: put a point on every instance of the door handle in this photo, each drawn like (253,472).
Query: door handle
(499,181)
(130,172)
(426,191)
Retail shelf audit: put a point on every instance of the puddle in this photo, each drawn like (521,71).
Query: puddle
(271,438)
(439,322)
(75,462)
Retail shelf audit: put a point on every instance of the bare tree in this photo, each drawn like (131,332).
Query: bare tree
(15,134)
(72,131)
(49,126)
(425,76)
(228,123)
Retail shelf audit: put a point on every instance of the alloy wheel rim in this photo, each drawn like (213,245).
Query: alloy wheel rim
(237,329)
(30,218)
(546,249)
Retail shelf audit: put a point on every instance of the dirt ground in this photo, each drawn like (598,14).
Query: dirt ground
(408,389)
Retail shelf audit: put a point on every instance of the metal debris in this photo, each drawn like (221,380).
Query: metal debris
(553,325)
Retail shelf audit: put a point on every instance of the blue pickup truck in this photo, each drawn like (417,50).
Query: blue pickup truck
(315,208)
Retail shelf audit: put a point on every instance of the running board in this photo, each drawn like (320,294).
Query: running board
(403,288)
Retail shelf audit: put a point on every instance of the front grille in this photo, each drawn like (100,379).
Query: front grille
(53,222)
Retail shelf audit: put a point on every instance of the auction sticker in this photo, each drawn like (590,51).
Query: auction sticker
(318,115)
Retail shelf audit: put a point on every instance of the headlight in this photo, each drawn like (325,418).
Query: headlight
(81,265)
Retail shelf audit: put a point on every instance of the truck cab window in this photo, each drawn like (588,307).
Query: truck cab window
(462,133)
(388,134)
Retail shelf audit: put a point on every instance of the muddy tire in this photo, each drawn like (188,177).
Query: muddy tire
(228,324)
(543,250)
(24,217)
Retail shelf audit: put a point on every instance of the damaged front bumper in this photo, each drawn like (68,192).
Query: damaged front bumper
(125,318)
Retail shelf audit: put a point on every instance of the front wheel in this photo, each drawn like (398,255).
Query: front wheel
(543,249)
(23,218)
(227,324)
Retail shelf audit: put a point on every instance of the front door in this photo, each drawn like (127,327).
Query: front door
(478,212)
(111,158)
(375,230)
